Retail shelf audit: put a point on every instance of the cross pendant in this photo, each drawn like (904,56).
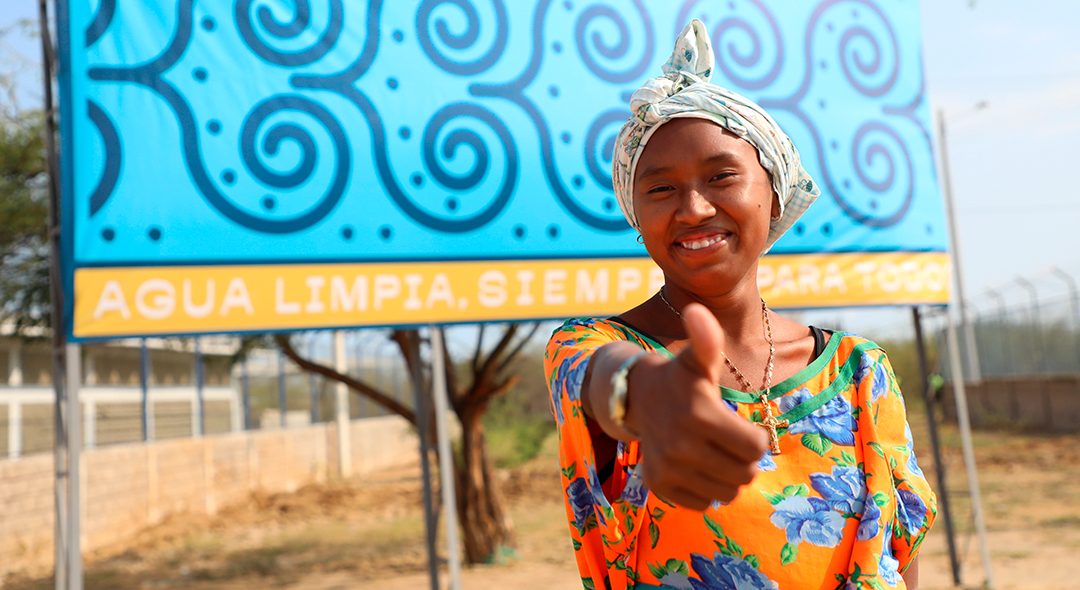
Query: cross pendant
(771,424)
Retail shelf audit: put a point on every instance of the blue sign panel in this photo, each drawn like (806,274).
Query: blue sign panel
(289,130)
(266,136)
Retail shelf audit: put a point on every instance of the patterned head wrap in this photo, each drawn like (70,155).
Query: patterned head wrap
(685,91)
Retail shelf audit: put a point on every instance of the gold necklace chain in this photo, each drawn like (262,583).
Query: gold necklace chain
(768,421)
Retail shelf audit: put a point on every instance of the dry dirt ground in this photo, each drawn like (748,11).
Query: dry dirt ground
(369,534)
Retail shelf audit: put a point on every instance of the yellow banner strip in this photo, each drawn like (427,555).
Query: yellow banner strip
(199,299)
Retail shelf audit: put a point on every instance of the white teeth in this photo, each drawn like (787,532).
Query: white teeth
(699,244)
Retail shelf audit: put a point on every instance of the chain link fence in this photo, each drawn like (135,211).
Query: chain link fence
(264,390)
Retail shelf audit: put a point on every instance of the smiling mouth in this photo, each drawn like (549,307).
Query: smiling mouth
(703,243)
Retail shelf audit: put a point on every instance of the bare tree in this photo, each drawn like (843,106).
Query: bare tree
(471,386)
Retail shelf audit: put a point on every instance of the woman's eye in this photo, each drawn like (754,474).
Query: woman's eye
(721,176)
(659,189)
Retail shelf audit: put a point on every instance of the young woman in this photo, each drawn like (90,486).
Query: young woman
(705,441)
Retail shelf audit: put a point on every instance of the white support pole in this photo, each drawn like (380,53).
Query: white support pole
(957,258)
(15,372)
(341,398)
(90,364)
(69,442)
(446,466)
(198,405)
(960,397)
(14,429)
(90,421)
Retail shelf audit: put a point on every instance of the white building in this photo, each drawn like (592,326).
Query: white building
(111,395)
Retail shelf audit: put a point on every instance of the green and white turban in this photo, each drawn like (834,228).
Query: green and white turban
(685,91)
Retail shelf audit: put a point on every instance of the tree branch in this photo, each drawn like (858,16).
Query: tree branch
(358,386)
(491,364)
(517,349)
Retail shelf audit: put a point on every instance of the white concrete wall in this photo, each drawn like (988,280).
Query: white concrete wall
(130,486)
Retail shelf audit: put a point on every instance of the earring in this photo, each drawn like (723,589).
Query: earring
(640,239)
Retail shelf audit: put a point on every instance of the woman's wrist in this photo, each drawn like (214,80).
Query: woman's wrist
(618,400)
(599,390)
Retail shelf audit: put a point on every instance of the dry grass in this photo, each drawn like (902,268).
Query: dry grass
(369,534)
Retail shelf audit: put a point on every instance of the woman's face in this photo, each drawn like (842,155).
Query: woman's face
(704,204)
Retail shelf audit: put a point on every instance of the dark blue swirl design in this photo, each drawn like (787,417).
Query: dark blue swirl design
(793,106)
(102,20)
(467,181)
(602,175)
(149,76)
(616,51)
(873,152)
(301,19)
(462,41)
(869,68)
(908,112)
(515,92)
(729,53)
(110,173)
(271,141)
(343,83)
(449,149)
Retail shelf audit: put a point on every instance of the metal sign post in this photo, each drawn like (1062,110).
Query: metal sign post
(341,399)
(960,397)
(422,426)
(939,465)
(446,460)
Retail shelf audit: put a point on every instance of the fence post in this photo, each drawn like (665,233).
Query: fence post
(200,402)
(1074,299)
(1027,285)
(282,401)
(144,382)
(245,393)
(313,385)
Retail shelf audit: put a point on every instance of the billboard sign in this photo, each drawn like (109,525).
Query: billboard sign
(264,165)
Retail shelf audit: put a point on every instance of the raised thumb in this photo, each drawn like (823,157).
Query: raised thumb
(704,354)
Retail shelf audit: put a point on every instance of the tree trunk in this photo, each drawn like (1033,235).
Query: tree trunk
(485,523)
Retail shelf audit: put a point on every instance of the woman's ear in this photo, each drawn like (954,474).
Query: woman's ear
(775,213)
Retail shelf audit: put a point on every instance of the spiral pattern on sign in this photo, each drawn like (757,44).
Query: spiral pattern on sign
(275,29)
(429,13)
(611,52)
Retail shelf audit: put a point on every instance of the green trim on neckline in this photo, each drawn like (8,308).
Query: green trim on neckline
(841,382)
(777,390)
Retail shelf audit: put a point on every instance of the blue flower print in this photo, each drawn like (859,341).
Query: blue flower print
(581,500)
(881,383)
(808,519)
(889,567)
(844,489)
(766,462)
(597,493)
(571,379)
(868,524)
(556,405)
(582,322)
(725,572)
(676,581)
(734,406)
(912,463)
(911,510)
(833,420)
(635,493)
(866,364)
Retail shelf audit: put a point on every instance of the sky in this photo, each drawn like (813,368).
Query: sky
(1011,161)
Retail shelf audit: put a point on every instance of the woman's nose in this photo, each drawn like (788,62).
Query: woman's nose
(695,207)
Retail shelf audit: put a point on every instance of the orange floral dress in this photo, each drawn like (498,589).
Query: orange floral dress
(844,506)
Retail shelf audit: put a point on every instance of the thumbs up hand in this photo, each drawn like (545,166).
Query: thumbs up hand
(694,448)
